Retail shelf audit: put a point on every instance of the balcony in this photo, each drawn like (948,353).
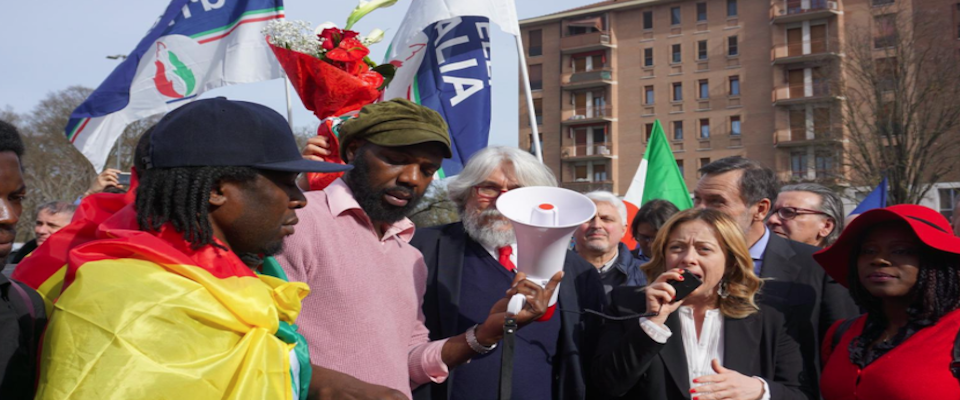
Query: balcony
(787,53)
(586,79)
(585,42)
(821,91)
(587,151)
(785,12)
(589,115)
(797,137)
(587,186)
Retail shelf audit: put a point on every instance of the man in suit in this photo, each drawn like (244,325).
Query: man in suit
(471,263)
(796,285)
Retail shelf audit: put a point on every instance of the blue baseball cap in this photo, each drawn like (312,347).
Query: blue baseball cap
(221,132)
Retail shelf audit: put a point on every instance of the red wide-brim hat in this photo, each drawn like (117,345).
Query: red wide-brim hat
(930,226)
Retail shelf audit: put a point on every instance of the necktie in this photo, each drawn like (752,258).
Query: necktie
(505,253)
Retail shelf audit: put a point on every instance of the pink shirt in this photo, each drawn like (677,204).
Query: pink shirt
(363,315)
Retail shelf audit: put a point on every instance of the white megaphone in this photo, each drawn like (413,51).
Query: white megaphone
(543,219)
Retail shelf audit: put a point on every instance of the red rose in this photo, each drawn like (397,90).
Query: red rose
(349,34)
(348,50)
(331,38)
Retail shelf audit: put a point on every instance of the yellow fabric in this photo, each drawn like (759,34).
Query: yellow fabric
(50,289)
(133,329)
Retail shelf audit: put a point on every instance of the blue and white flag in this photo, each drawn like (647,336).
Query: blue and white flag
(442,51)
(195,46)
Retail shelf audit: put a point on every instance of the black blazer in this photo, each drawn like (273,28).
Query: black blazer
(799,288)
(631,364)
(443,248)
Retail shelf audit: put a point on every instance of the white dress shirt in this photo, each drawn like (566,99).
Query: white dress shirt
(699,351)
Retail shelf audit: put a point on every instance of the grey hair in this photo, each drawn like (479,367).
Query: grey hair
(56,207)
(830,204)
(607,197)
(528,170)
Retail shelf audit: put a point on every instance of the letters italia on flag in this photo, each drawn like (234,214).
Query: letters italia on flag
(194,46)
(442,51)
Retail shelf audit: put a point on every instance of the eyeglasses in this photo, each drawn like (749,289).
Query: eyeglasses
(489,191)
(793,212)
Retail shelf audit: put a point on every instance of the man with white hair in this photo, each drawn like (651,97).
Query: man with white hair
(598,242)
(471,263)
(807,213)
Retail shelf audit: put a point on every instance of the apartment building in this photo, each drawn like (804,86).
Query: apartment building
(724,77)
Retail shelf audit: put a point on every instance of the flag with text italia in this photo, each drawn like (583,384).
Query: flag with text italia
(442,50)
(657,177)
(194,46)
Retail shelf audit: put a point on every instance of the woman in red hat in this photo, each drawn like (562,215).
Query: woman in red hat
(902,266)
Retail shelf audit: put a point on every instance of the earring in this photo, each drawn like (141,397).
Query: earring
(722,289)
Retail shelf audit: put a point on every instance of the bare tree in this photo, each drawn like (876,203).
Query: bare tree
(435,208)
(902,84)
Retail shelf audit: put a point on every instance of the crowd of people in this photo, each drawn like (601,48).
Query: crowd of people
(214,273)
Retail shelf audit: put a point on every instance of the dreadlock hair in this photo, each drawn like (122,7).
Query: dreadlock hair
(936,293)
(180,196)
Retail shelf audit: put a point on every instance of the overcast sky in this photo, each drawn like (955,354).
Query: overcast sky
(52,44)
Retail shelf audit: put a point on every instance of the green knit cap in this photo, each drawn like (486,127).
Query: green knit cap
(394,123)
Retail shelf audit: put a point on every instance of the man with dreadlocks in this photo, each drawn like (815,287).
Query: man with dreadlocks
(163,306)
(364,318)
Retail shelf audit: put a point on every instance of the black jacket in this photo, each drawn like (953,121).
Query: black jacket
(631,364)
(20,334)
(799,288)
(443,249)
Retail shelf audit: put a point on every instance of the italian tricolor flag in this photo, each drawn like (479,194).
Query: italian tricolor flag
(658,177)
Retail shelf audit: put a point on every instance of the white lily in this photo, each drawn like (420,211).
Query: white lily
(323,26)
(364,8)
(375,36)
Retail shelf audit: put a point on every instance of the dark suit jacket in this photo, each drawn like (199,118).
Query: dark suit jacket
(443,248)
(629,362)
(800,289)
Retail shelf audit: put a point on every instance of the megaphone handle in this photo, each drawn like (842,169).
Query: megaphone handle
(516,304)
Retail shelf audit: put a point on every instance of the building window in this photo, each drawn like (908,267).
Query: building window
(882,2)
(680,167)
(580,173)
(701,12)
(735,85)
(676,53)
(956,17)
(648,131)
(731,8)
(593,60)
(535,43)
(885,34)
(798,164)
(648,20)
(587,24)
(948,201)
(599,172)
(732,46)
(704,89)
(536,76)
(825,167)
(648,57)
(705,128)
(648,95)
(538,110)
(675,16)
(702,50)
(704,162)
(677,91)
(735,125)
(677,130)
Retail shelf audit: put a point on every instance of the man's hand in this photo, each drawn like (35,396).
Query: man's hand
(109,177)
(537,301)
(316,149)
(329,384)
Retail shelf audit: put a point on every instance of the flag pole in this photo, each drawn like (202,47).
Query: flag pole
(526,90)
(286,89)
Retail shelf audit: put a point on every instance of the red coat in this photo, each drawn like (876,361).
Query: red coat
(918,368)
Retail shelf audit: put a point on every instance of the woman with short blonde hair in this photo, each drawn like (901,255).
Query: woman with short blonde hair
(713,343)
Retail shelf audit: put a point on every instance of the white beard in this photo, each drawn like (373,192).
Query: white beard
(488,227)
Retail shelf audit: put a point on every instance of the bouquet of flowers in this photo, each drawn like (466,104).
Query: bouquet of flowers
(330,69)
